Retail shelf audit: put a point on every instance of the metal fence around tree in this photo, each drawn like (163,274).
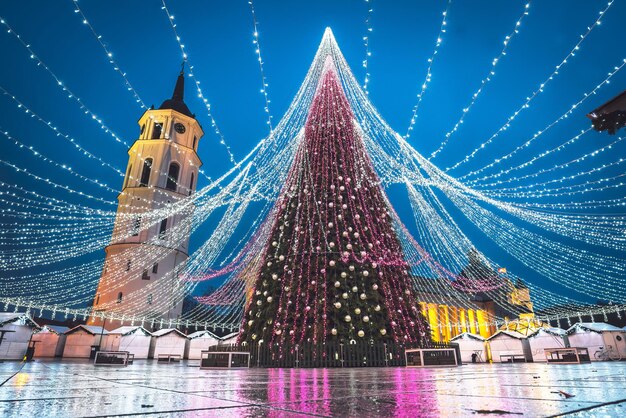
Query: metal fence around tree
(329,354)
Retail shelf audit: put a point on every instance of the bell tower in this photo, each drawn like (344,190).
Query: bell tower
(150,243)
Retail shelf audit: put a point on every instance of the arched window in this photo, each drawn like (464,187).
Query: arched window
(172,177)
(191,185)
(195,139)
(128,174)
(145,173)
(119,297)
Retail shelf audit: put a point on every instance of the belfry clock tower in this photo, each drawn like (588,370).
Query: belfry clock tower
(149,247)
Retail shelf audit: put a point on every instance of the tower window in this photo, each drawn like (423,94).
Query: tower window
(195,139)
(144,275)
(97,298)
(172,177)
(191,185)
(156,130)
(143,128)
(145,173)
(128,173)
(150,299)
(119,297)
(128,265)
(155,268)
(163,228)
(136,226)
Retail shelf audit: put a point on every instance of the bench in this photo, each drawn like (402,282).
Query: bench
(169,358)
(512,358)
(113,358)
(570,355)
(431,357)
(224,359)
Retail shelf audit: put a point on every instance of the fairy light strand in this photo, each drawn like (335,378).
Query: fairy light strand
(490,75)
(109,54)
(257,51)
(200,94)
(537,92)
(366,44)
(431,61)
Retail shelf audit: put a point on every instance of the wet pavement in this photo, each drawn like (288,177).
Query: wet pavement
(77,388)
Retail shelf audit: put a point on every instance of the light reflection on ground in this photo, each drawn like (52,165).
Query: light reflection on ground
(77,388)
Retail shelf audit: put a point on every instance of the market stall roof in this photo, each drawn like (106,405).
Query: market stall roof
(468,335)
(513,334)
(229,336)
(593,326)
(127,330)
(201,334)
(55,329)
(166,331)
(551,330)
(91,329)
(10,317)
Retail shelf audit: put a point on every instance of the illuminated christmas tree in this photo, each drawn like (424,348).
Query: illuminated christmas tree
(333,268)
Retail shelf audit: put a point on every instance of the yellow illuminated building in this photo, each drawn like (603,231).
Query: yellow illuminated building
(447,320)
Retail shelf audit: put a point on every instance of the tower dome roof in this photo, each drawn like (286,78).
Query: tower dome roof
(176,102)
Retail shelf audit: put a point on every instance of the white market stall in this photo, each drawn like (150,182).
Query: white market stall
(199,341)
(509,346)
(134,339)
(80,340)
(170,342)
(50,341)
(546,338)
(17,329)
(469,345)
(604,341)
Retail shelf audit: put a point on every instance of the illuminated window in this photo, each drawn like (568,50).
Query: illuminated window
(172,177)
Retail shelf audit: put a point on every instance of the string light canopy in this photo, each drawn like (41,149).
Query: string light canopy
(308,205)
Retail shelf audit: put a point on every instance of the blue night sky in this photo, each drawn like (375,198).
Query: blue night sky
(218,37)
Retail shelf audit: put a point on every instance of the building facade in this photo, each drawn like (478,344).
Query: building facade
(454,312)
